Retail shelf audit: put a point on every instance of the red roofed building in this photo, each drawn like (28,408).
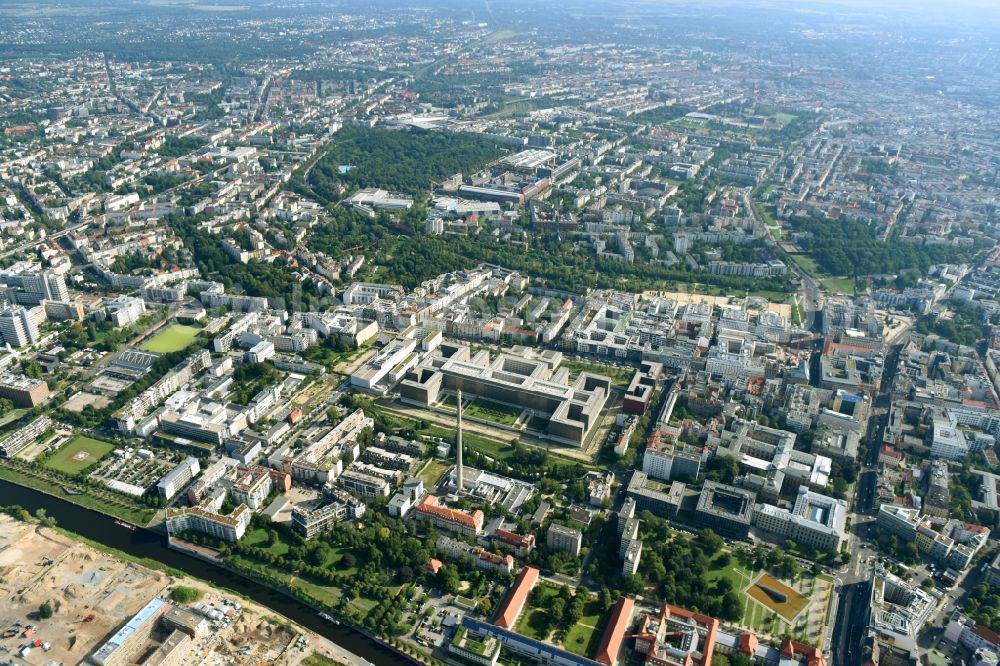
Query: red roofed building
(614,635)
(812,656)
(984,637)
(677,637)
(450,519)
(434,565)
(521,543)
(748,644)
(513,604)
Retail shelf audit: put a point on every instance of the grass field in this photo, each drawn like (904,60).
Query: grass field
(839,285)
(491,447)
(328,595)
(432,471)
(79,454)
(789,609)
(496,412)
(805,262)
(583,638)
(736,574)
(535,622)
(173,338)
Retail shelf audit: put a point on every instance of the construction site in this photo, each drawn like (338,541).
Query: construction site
(63,602)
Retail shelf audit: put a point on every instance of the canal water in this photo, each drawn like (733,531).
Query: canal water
(151,545)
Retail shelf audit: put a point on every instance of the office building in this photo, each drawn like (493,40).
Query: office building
(529,380)
(23,391)
(667,459)
(897,610)
(469,647)
(177,478)
(660,499)
(513,604)
(725,509)
(453,520)
(816,521)
(125,644)
(677,636)
(125,310)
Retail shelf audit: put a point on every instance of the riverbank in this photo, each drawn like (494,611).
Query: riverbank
(100,500)
(142,543)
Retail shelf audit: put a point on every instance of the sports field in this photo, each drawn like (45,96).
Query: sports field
(173,338)
(770,592)
(79,454)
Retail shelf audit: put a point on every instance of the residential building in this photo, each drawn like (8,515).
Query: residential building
(18,327)
(317,517)
(562,538)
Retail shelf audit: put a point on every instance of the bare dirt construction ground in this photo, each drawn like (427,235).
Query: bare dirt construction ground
(39,565)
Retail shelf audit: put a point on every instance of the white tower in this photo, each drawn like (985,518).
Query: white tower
(459,475)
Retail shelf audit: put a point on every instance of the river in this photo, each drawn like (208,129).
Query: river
(151,545)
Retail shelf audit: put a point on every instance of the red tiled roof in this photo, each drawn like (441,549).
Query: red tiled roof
(515,539)
(748,643)
(514,602)
(611,642)
(986,634)
(711,629)
(430,505)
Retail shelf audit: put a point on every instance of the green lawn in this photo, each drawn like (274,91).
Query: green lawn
(491,447)
(13,415)
(796,314)
(583,638)
(258,537)
(839,285)
(535,622)
(364,605)
(327,595)
(432,471)
(731,571)
(80,453)
(531,624)
(496,412)
(805,262)
(173,338)
(617,375)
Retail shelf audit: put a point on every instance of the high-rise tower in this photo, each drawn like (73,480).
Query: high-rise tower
(459,472)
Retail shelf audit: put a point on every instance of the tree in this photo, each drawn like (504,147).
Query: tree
(711,541)
(185,595)
(605,599)
(45,610)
